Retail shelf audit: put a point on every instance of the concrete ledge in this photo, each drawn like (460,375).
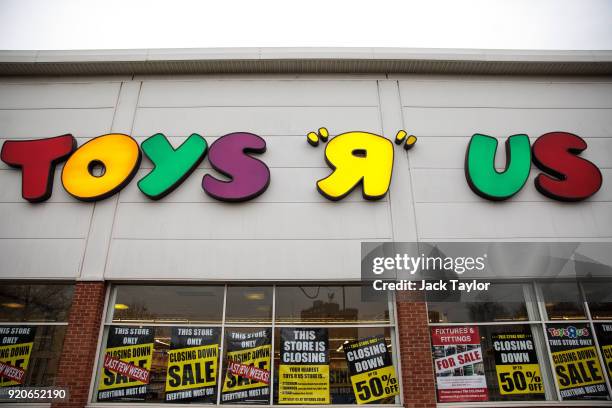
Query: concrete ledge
(305,60)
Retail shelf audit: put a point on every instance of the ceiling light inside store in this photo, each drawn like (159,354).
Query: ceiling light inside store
(13,305)
(121,306)
(255,295)
(342,346)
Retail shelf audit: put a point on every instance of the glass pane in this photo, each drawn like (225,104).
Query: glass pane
(35,303)
(563,301)
(249,304)
(502,302)
(182,362)
(40,362)
(341,390)
(330,304)
(576,362)
(599,298)
(247,347)
(505,363)
(159,364)
(168,304)
(604,337)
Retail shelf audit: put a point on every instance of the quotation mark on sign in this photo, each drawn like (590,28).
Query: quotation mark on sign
(322,135)
(358,159)
(408,140)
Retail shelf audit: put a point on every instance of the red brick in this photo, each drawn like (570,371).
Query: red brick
(80,343)
(415,352)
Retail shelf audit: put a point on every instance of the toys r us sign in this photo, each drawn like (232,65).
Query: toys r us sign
(104,165)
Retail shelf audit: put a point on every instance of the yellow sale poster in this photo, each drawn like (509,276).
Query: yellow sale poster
(193,361)
(126,363)
(516,364)
(304,366)
(371,369)
(247,375)
(17,343)
(576,363)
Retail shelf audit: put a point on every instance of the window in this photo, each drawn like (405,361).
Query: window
(168,304)
(341,390)
(599,298)
(249,304)
(33,321)
(576,359)
(552,341)
(247,344)
(500,303)
(331,304)
(563,301)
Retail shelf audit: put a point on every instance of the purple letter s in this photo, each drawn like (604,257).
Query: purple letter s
(249,176)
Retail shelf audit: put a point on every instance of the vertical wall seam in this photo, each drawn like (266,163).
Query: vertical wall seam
(114,223)
(93,208)
(389,193)
(414,209)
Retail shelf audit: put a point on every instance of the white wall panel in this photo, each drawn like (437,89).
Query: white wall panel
(47,240)
(290,232)
(247,260)
(513,219)
(501,122)
(39,123)
(514,94)
(41,258)
(58,95)
(284,121)
(258,93)
(47,220)
(360,220)
(445,112)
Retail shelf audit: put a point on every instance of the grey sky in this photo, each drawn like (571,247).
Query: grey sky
(110,24)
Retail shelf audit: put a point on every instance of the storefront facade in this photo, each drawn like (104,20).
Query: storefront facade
(191,267)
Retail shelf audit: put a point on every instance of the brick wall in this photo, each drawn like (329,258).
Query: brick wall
(415,350)
(80,342)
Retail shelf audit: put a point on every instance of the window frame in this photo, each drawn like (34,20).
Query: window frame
(551,387)
(107,321)
(42,323)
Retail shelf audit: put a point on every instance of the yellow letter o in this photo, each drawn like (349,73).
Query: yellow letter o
(118,155)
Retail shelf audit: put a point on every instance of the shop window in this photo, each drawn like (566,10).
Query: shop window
(562,355)
(604,337)
(599,298)
(33,321)
(341,389)
(563,301)
(486,363)
(330,304)
(168,304)
(500,303)
(231,354)
(35,303)
(249,304)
